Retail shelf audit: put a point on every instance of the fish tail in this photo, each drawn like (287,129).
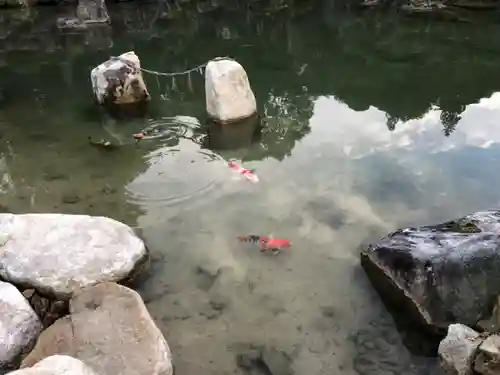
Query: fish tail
(251,238)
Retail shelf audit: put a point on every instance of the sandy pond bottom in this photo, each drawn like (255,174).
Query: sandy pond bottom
(310,307)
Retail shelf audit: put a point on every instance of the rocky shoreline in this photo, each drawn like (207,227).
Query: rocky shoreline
(449,10)
(444,279)
(61,306)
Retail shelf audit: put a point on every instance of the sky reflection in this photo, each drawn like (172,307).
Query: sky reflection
(362,133)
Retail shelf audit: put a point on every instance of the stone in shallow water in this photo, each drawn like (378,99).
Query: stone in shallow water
(19,325)
(57,364)
(229,96)
(119,81)
(491,323)
(487,360)
(58,254)
(110,329)
(92,11)
(457,350)
(13,3)
(440,274)
(379,350)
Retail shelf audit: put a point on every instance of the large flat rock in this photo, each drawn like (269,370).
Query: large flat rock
(440,274)
(56,364)
(58,254)
(110,329)
(19,326)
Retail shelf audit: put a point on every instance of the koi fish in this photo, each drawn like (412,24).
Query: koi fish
(267,243)
(249,174)
(168,127)
(139,136)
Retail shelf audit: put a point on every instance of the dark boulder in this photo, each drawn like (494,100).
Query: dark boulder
(439,274)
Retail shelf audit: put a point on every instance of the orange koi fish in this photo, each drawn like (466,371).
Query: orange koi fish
(267,243)
(249,174)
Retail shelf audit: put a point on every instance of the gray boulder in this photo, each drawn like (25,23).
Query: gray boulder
(19,326)
(439,274)
(110,329)
(457,350)
(56,364)
(57,254)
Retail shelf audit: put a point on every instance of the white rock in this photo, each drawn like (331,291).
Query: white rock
(110,329)
(228,94)
(457,350)
(19,325)
(58,254)
(56,365)
(119,80)
(488,356)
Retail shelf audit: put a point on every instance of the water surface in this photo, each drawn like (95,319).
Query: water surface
(370,123)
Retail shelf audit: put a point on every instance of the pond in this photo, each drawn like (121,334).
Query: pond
(370,122)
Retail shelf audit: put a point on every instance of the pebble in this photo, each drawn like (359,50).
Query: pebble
(71,198)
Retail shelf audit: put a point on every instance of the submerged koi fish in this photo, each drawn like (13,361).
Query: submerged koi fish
(267,243)
(249,174)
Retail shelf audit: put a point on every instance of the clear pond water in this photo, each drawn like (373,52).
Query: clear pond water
(370,123)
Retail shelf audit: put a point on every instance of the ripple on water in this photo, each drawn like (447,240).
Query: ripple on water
(178,170)
(170,128)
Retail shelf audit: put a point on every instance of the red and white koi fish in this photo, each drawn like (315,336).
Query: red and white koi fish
(249,174)
(267,243)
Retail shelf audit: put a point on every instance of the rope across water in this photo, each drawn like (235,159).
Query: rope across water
(172,74)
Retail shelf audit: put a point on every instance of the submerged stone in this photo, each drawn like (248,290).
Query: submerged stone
(57,254)
(261,359)
(439,274)
(491,323)
(110,330)
(19,326)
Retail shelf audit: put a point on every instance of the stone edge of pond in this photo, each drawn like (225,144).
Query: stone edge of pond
(43,311)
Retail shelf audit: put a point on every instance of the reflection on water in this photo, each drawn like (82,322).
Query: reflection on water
(366,123)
